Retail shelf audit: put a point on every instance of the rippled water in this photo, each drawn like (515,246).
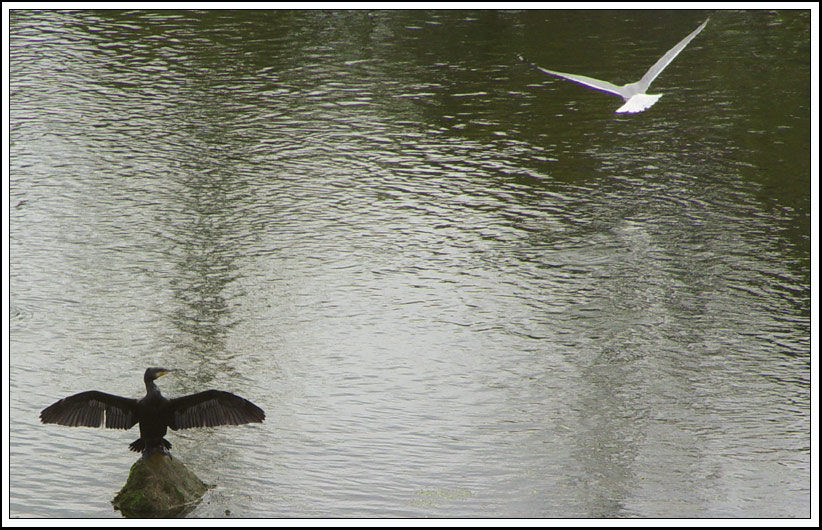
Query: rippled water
(457,287)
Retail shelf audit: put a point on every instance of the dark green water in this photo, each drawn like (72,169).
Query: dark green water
(457,286)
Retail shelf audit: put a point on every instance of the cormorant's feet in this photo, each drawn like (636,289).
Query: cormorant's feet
(160,450)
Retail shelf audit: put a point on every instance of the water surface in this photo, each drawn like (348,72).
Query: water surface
(458,287)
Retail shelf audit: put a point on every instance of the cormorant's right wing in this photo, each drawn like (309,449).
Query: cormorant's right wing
(212,408)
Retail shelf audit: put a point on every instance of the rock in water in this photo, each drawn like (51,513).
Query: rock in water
(159,487)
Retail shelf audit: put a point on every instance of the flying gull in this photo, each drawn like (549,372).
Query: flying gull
(636,100)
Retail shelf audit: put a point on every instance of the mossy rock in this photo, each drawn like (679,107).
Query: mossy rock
(159,487)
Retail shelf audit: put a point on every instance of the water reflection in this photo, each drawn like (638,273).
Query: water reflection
(456,290)
(205,264)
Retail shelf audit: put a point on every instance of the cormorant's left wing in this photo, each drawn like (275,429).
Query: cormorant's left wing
(88,409)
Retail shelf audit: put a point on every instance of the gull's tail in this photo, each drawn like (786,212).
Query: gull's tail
(638,103)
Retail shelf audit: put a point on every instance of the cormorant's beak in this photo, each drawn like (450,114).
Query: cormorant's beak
(164,371)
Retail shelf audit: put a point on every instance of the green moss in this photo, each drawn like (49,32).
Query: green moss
(159,487)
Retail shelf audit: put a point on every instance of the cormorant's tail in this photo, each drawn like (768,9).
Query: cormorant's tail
(139,445)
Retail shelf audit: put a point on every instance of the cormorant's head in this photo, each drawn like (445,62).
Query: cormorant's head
(154,373)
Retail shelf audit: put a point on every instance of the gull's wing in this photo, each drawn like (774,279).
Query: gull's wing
(587,81)
(666,59)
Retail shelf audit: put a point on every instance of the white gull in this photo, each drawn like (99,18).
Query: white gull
(636,100)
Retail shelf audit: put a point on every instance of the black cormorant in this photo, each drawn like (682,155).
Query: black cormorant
(154,412)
